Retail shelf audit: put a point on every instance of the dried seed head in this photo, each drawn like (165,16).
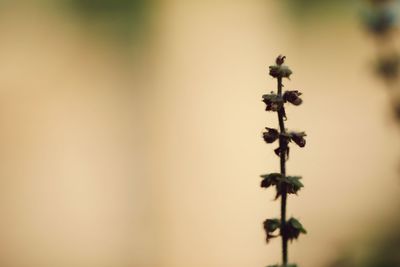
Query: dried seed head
(293,97)
(280,71)
(273,102)
(280,60)
(298,138)
(271,135)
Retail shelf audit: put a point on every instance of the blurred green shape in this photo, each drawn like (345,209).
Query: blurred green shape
(306,9)
(123,19)
(382,249)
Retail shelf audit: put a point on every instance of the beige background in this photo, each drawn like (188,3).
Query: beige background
(152,158)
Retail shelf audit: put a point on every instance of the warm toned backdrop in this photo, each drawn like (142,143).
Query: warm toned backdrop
(147,152)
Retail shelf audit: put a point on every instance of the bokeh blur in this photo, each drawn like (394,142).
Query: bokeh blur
(131,132)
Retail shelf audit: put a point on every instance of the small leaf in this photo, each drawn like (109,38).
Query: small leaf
(278,151)
(293,184)
(270,179)
(270,226)
(293,229)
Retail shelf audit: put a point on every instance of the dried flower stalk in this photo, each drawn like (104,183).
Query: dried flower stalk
(289,229)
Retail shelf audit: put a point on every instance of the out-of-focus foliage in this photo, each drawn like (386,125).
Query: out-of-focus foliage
(380,18)
(125,19)
(317,8)
(381,252)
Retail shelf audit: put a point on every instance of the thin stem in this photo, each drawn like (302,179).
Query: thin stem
(283,151)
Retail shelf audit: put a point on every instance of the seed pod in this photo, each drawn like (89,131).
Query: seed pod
(273,102)
(293,97)
(280,71)
(271,135)
(298,138)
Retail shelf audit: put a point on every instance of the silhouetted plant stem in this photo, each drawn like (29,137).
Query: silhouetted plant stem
(289,229)
(283,145)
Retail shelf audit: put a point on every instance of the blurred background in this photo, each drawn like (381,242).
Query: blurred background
(131,133)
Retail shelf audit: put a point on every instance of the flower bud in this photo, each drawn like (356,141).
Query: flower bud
(280,60)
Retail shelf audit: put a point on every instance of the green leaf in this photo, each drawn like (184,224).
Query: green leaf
(270,226)
(296,224)
(293,184)
(270,179)
(293,229)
